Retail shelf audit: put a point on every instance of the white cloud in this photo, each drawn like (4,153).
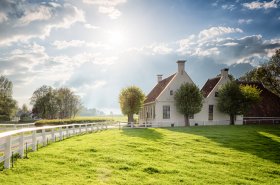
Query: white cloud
(89,26)
(104,2)
(230,44)
(161,49)
(259,5)
(65,44)
(107,7)
(244,21)
(228,7)
(53,17)
(111,11)
(3,17)
(217,31)
(38,14)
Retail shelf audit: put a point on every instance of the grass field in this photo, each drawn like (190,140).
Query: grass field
(195,155)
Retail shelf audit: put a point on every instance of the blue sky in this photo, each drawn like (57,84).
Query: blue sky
(97,47)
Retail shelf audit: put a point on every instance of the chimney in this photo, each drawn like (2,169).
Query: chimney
(181,66)
(224,72)
(159,78)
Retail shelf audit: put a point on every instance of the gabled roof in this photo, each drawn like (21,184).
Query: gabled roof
(158,89)
(209,85)
(269,106)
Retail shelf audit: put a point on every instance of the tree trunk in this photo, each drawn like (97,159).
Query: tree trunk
(231,119)
(130,118)
(187,121)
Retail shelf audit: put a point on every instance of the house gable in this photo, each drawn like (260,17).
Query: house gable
(156,91)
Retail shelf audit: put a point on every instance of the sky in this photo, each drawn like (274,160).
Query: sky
(98,47)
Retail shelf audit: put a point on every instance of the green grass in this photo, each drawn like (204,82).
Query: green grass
(195,155)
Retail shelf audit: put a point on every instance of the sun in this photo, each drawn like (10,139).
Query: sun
(116,38)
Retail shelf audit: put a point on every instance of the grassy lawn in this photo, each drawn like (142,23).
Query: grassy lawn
(195,155)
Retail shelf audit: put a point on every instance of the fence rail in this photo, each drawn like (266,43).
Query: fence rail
(261,120)
(7,126)
(19,141)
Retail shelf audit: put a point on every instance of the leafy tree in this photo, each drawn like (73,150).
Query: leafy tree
(236,99)
(188,100)
(268,74)
(52,103)
(250,95)
(24,108)
(131,100)
(8,105)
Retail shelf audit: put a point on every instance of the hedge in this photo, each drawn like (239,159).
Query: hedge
(70,121)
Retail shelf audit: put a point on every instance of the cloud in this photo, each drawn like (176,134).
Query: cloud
(89,26)
(217,31)
(35,20)
(161,49)
(3,17)
(244,21)
(251,49)
(228,7)
(65,44)
(107,7)
(261,5)
(38,14)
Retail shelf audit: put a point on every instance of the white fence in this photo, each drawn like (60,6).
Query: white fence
(261,120)
(4,127)
(18,141)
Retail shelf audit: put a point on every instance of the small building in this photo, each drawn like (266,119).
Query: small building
(159,107)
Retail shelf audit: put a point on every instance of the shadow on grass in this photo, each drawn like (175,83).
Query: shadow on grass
(145,133)
(261,141)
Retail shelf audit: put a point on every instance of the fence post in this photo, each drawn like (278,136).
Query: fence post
(60,133)
(80,129)
(86,128)
(21,145)
(7,152)
(34,140)
(67,131)
(44,137)
(91,126)
(52,133)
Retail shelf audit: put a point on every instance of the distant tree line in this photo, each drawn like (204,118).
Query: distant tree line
(90,112)
(8,106)
(50,103)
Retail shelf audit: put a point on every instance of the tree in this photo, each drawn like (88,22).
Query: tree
(52,103)
(8,105)
(268,74)
(188,100)
(236,99)
(24,108)
(131,100)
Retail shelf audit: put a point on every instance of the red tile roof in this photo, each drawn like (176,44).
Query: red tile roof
(209,85)
(269,106)
(158,89)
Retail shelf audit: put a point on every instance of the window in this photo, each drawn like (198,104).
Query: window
(171,92)
(154,112)
(166,112)
(216,94)
(210,112)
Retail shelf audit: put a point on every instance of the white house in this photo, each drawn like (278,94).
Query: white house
(159,107)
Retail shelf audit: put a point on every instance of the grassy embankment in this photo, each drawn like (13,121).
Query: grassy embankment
(195,155)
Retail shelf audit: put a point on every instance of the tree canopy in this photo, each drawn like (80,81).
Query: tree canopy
(8,105)
(131,100)
(49,103)
(236,99)
(188,100)
(268,74)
